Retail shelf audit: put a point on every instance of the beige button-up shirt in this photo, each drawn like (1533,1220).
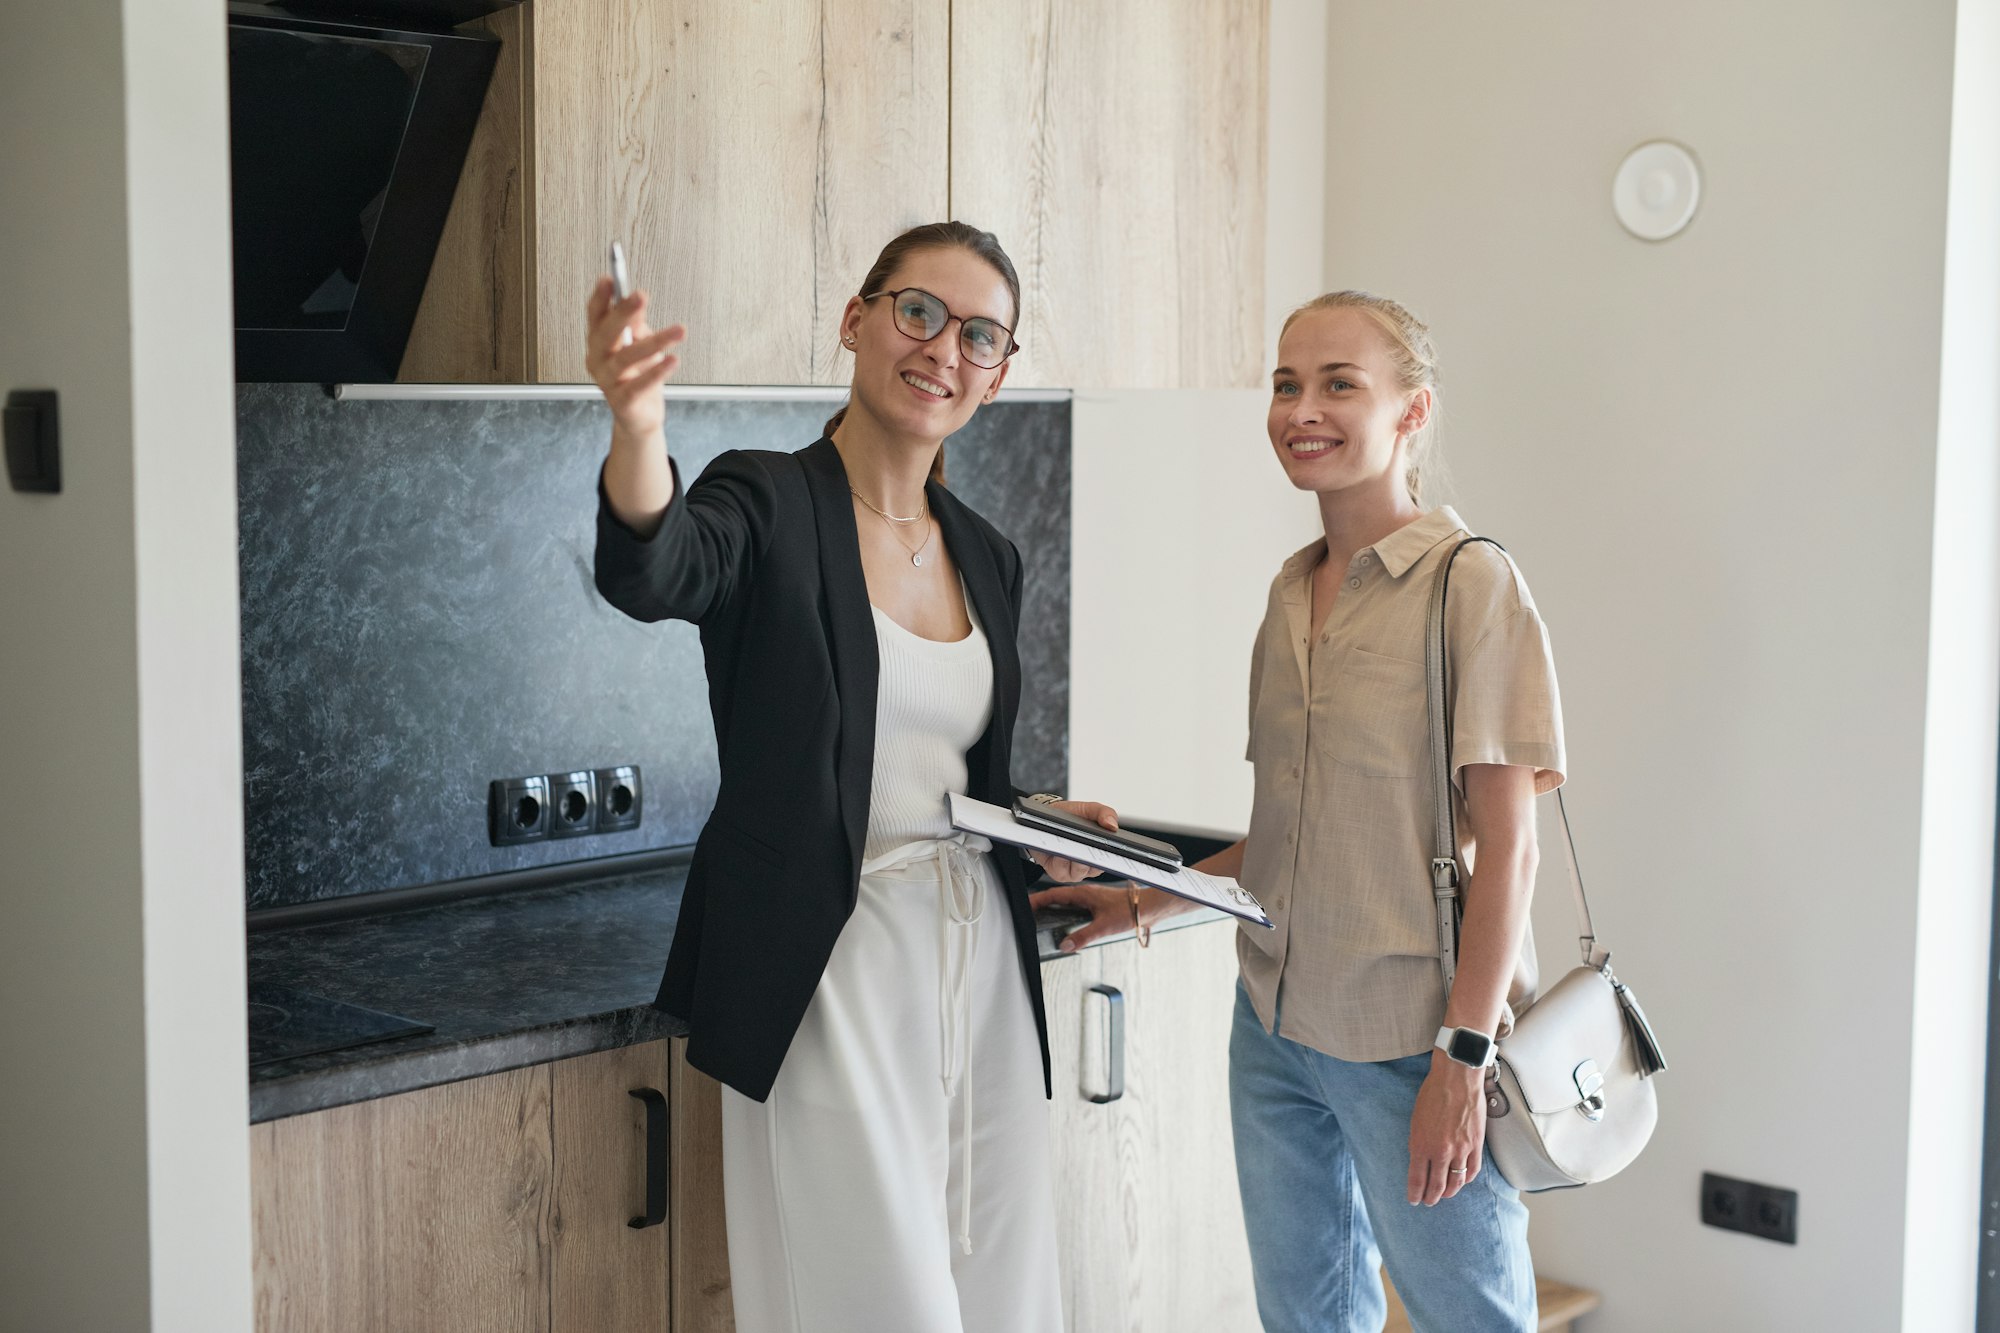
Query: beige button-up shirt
(1340,832)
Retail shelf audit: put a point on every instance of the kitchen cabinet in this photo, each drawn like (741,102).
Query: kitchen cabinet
(490,1204)
(473,324)
(1118,149)
(702,1299)
(503,1202)
(754,157)
(606,1273)
(1148,1217)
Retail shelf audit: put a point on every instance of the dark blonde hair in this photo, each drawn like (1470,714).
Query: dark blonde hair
(937,236)
(1415,360)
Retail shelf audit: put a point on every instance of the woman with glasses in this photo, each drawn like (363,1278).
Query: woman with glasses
(863,980)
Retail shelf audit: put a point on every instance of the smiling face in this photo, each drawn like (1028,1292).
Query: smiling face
(926,390)
(1340,417)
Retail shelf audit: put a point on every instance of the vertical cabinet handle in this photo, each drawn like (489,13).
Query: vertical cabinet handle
(656,1158)
(1114,1044)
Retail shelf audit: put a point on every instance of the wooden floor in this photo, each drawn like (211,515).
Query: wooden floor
(1560,1304)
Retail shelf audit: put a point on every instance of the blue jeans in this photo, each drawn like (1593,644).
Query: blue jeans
(1323,1160)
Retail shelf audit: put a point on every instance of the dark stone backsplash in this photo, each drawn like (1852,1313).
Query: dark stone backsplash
(419,618)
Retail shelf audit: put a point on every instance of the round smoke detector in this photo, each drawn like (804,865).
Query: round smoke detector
(1656,190)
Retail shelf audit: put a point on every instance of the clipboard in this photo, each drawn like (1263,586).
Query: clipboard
(999,825)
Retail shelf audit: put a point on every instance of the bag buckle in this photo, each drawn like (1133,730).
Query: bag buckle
(1444,874)
(1590,1087)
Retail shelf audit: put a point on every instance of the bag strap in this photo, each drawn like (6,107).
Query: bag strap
(1445,878)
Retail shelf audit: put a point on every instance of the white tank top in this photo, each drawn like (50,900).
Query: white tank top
(932,703)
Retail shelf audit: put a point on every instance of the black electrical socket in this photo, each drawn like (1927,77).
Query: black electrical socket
(34,442)
(1753,1209)
(517,810)
(619,799)
(572,804)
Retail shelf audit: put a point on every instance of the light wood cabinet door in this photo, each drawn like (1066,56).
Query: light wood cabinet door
(473,324)
(498,1203)
(426,1212)
(753,156)
(703,1302)
(606,1273)
(1094,1228)
(1117,148)
(1150,1222)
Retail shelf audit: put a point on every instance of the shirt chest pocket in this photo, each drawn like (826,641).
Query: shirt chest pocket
(1377,724)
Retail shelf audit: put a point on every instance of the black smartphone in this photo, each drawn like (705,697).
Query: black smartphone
(1148,851)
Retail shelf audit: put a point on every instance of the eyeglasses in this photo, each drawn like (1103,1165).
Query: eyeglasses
(921,316)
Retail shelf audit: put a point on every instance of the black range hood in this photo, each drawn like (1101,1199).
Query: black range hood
(347,135)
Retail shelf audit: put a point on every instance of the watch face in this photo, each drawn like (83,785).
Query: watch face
(1469,1048)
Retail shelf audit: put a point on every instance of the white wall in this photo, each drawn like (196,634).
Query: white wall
(1181,516)
(124,1196)
(1715,458)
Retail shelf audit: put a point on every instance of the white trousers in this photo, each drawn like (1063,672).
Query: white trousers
(848,1193)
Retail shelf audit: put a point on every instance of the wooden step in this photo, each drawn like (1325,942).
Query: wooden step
(1560,1303)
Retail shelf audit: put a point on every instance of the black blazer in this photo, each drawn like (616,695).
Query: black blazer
(762,553)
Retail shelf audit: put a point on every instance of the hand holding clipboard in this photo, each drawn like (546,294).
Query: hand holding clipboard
(1000,825)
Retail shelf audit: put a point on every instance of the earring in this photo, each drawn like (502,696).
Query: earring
(848,340)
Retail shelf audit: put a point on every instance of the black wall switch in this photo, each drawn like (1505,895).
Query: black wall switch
(1753,1209)
(34,445)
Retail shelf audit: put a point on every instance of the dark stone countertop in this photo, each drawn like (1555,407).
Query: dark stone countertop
(505,980)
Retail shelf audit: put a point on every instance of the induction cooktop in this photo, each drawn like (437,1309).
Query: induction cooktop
(287,1023)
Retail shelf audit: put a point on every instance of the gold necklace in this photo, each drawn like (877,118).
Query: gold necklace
(893,518)
(916,555)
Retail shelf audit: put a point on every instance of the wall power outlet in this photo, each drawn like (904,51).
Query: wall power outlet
(563,805)
(1753,1209)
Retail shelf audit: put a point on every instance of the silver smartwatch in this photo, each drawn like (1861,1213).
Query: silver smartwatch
(1468,1046)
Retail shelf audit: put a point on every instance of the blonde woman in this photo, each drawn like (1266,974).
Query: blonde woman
(1357,1094)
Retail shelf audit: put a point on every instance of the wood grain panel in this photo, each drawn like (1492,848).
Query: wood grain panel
(1118,150)
(1147,1210)
(884,149)
(472,327)
(753,156)
(1095,1157)
(701,1291)
(426,1212)
(606,1274)
(1192,1253)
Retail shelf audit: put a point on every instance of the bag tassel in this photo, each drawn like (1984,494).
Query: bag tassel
(1644,1043)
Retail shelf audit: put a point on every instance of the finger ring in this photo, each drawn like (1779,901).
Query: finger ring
(1458,1171)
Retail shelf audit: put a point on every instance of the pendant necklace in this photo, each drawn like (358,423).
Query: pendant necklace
(917,555)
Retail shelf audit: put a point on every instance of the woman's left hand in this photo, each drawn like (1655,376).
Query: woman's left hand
(1060,868)
(1447,1131)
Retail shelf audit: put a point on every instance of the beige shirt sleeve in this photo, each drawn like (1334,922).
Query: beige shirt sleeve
(1256,681)
(1505,709)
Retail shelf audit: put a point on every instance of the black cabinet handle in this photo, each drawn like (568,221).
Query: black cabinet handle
(656,1158)
(1114,1044)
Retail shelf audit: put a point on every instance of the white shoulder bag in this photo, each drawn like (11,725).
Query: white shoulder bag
(1570,1099)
